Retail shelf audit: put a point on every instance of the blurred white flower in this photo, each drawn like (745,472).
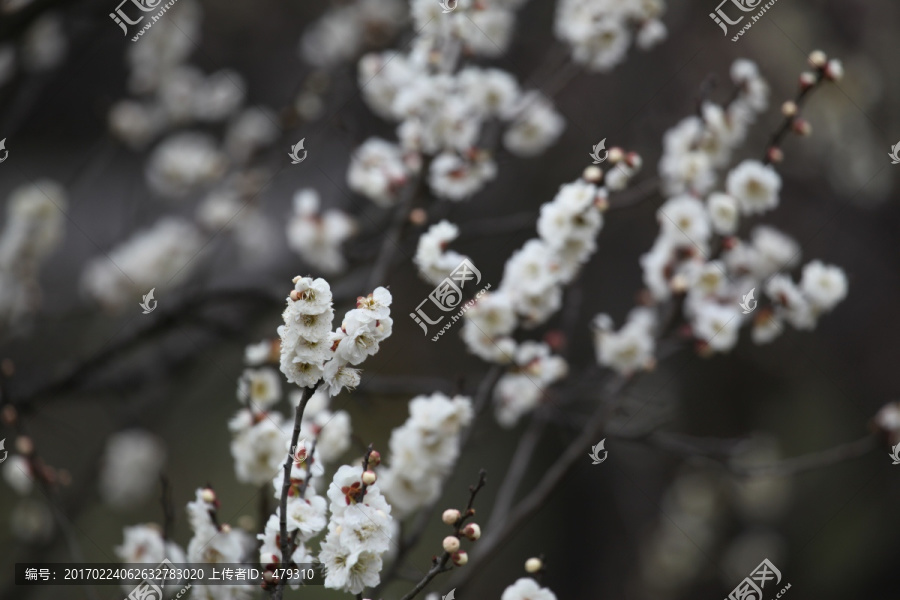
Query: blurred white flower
(132,462)
(184,162)
(317,236)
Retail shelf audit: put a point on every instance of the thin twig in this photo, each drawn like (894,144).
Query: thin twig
(286,549)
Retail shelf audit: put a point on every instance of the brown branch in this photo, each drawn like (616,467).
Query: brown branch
(286,546)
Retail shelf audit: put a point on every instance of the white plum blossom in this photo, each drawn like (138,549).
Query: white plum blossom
(456,177)
(260,388)
(755,187)
(215,544)
(537,125)
(258,445)
(184,163)
(377,171)
(423,450)
(521,389)
(132,462)
(317,236)
(18,475)
(527,588)
(600,33)
(145,544)
(434,261)
(723,213)
(160,257)
(717,326)
(631,348)
(823,285)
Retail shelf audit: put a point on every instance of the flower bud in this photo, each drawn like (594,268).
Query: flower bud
(616,155)
(634,160)
(817,59)
(374,458)
(295,295)
(775,155)
(451,544)
(9,414)
(801,127)
(208,495)
(369,477)
(450,516)
(789,108)
(807,80)
(472,531)
(24,445)
(592,174)
(460,558)
(533,565)
(418,216)
(834,70)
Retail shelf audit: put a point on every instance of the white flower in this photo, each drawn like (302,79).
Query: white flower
(493,91)
(259,353)
(651,33)
(359,342)
(339,375)
(790,302)
(723,213)
(313,296)
(536,127)
(717,326)
(260,387)
(631,348)
(145,544)
(453,177)
(253,129)
(134,123)
(331,431)
(824,285)
(374,307)
(755,186)
(318,236)
(684,221)
(377,171)
(515,395)
(754,89)
(306,516)
(17,474)
(182,163)
(774,251)
(347,570)
(527,588)
(132,462)
(434,261)
(258,451)
(365,528)
(159,257)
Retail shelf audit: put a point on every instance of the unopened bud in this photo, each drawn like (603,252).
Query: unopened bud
(374,458)
(775,155)
(533,565)
(225,528)
(593,174)
(418,216)
(817,59)
(616,155)
(9,414)
(295,295)
(634,160)
(208,495)
(807,80)
(24,445)
(460,558)
(451,544)
(834,70)
(369,477)
(296,279)
(472,531)
(789,108)
(450,516)
(801,127)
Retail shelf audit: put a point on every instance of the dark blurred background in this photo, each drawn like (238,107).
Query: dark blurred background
(646,524)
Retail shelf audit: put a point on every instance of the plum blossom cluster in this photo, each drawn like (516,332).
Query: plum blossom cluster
(343,31)
(444,114)
(423,450)
(480,27)
(34,228)
(694,149)
(520,390)
(697,258)
(360,529)
(433,260)
(310,351)
(600,32)
(316,235)
(158,257)
(214,543)
(261,434)
(42,45)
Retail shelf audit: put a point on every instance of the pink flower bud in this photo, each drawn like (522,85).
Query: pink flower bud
(817,59)
(460,558)
(472,531)
(450,516)
(369,477)
(451,544)
(374,458)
